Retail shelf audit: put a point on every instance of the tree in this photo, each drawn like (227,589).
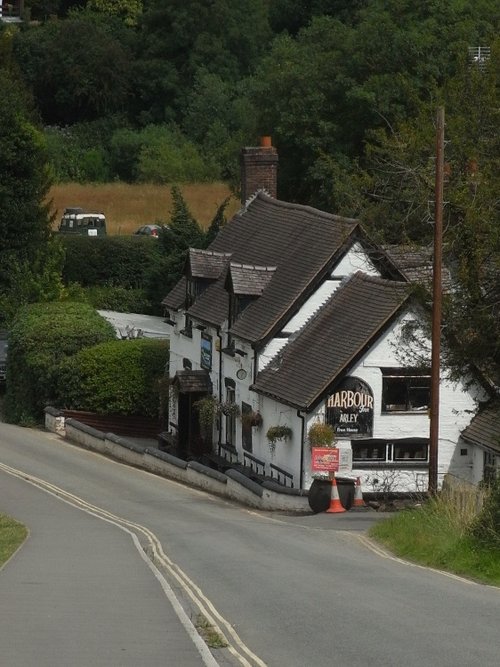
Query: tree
(217,223)
(179,37)
(320,93)
(221,118)
(77,68)
(181,233)
(30,260)
(397,205)
(127,10)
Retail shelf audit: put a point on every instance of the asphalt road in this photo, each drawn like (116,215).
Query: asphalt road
(284,591)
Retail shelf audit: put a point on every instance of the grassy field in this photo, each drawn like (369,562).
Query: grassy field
(12,534)
(127,207)
(437,535)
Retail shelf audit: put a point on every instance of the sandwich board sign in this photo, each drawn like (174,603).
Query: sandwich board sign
(325,459)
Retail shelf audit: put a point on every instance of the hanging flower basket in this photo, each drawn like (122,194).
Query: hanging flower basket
(275,433)
(253,418)
(229,409)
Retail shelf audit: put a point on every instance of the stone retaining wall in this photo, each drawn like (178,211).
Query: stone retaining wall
(232,485)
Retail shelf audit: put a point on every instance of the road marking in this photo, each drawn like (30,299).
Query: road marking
(239,650)
(380,551)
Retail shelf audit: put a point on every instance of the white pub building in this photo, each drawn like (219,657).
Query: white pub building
(293,316)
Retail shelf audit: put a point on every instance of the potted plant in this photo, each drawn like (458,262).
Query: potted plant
(321,434)
(275,433)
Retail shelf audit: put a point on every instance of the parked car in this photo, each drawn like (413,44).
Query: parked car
(149,230)
(77,221)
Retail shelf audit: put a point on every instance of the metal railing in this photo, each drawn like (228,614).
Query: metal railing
(228,452)
(281,476)
(256,465)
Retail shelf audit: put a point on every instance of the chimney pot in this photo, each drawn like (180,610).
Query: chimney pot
(266,142)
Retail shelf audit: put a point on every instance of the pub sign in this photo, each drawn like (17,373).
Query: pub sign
(350,409)
(206,352)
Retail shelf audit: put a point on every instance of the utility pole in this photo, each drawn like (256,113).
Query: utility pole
(436,304)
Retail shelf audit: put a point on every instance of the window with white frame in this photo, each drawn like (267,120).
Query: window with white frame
(405,390)
(406,451)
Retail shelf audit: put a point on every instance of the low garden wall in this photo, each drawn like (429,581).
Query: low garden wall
(232,485)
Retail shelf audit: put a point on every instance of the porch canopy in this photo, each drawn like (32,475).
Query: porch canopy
(189,382)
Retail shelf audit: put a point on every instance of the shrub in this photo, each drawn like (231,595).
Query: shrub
(119,299)
(166,156)
(41,336)
(81,153)
(117,377)
(128,261)
(125,148)
(321,435)
(486,527)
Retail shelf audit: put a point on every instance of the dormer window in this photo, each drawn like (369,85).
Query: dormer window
(203,267)
(245,284)
(238,303)
(196,287)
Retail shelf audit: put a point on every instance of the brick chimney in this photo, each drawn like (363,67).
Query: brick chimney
(259,169)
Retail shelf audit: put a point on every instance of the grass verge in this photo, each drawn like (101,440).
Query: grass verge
(12,534)
(209,634)
(437,535)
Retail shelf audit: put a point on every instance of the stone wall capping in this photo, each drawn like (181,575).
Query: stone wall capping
(233,485)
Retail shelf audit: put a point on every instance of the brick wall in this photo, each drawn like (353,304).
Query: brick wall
(259,171)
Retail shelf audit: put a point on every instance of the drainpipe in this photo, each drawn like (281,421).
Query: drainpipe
(219,429)
(302,443)
(255,367)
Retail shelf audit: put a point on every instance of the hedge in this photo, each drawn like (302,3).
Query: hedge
(127,261)
(41,336)
(122,377)
(120,299)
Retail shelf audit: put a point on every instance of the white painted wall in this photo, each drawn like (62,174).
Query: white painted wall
(458,402)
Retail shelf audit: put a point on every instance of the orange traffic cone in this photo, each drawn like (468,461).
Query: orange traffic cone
(358,495)
(335,504)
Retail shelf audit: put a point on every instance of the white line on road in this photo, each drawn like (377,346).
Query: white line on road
(190,588)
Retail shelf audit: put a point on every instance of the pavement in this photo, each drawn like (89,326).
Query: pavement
(78,593)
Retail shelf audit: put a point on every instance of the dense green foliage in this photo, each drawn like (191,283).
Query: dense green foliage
(439,534)
(118,377)
(41,336)
(486,527)
(124,261)
(170,90)
(120,299)
(30,261)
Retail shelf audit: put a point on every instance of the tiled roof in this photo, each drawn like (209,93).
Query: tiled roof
(206,263)
(189,381)
(176,298)
(331,341)
(247,279)
(484,429)
(298,240)
(416,263)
